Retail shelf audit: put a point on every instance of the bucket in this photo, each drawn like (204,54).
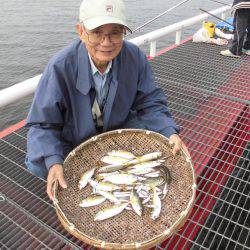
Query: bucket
(210,27)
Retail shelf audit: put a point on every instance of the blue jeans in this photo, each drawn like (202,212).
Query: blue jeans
(37,170)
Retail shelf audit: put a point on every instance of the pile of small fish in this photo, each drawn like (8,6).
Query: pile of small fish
(127,181)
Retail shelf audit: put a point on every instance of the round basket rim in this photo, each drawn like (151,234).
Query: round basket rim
(135,245)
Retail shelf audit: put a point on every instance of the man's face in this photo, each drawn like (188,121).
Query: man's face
(103,43)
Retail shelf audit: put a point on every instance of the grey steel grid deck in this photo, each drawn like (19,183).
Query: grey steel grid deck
(209,98)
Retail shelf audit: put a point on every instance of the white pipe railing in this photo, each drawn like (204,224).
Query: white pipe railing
(25,88)
(16,92)
(177,27)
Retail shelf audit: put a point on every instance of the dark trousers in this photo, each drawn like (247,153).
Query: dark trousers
(242,23)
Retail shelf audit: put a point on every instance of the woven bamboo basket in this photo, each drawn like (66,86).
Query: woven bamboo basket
(126,230)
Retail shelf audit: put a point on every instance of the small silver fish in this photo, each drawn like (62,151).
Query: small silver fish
(152,174)
(136,202)
(154,181)
(108,196)
(110,168)
(169,177)
(110,211)
(166,174)
(148,164)
(150,156)
(146,200)
(105,186)
(92,201)
(127,187)
(124,200)
(140,171)
(109,159)
(122,179)
(144,158)
(121,194)
(122,154)
(156,206)
(86,176)
(143,193)
(165,190)
(142,187)
(101,176)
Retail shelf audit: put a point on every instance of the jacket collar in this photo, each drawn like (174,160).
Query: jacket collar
(84,78)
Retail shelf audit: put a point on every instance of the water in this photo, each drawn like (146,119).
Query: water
(31,31)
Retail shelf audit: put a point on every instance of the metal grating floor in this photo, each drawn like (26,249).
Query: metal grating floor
(209,97)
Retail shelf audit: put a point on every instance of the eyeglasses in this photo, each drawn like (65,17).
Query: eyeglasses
(96,36)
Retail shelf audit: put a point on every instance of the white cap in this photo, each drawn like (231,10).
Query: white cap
(95,13)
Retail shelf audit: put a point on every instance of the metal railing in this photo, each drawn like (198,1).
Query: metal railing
(155,35)
(20,90)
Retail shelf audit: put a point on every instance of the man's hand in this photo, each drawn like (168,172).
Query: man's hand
(178,144)
(55,174)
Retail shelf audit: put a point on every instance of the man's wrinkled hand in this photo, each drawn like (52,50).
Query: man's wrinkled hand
(55,174)
(178,144)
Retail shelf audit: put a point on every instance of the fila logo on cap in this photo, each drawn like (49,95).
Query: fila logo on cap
(109,8)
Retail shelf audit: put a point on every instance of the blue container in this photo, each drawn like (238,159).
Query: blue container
(225,26)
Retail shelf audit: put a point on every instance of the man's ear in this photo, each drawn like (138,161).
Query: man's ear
(79,29)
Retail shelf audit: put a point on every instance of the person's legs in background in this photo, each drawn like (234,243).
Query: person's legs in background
(241,24)
(239,32)
(246,46)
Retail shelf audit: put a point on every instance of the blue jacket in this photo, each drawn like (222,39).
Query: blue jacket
(60,117)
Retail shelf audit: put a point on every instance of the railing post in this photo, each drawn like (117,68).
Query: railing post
(153,48)
(223,15)
(178,37)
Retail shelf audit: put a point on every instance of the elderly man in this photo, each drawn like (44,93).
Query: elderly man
(98,83)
